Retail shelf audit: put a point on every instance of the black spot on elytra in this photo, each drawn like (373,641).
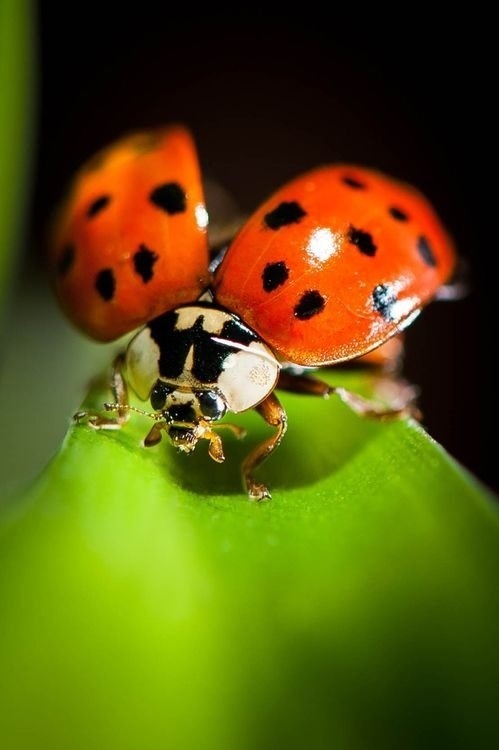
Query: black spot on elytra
(426,252)
(208,355)
(353,183)
(98,205)
(66,260)
(287,212)
(274,275)
(384,298)
(170,197)
(105,283)
(310,303)
(362,240)
(398,214)
(143,262)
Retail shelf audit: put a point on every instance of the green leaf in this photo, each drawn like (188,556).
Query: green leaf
(146,603)
(16,126)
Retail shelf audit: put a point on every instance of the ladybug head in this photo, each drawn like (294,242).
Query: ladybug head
(186,413)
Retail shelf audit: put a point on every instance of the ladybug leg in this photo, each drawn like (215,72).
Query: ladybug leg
(397,393)
(274,414)
(120,405)
(307,384)
(154,435)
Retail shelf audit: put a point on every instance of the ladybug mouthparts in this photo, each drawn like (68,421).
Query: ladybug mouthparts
(187,415)
(184,439)
(185,436)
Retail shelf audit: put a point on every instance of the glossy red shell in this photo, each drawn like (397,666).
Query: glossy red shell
(335,263)
(130,240)
(329,268)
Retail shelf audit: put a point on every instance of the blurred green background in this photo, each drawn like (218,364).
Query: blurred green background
(144,603)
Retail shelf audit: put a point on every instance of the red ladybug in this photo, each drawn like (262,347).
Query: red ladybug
(332,267)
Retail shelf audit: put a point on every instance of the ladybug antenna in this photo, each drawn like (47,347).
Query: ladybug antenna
(129,407)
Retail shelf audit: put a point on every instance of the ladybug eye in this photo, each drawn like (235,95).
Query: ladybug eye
(159,394)
(211,404)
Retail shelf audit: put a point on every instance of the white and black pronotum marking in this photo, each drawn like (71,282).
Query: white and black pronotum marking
(197,362)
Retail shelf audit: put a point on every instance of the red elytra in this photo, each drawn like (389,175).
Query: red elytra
(335,263)
(328,268)
(130,240)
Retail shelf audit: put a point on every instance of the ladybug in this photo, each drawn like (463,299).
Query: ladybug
(330,268)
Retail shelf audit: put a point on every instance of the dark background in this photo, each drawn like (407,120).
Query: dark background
(269,97)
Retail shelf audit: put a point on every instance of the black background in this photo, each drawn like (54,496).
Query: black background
(268,97)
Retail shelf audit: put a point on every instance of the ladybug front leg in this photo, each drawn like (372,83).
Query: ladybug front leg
(120,406)
(399,395)
(273,413)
